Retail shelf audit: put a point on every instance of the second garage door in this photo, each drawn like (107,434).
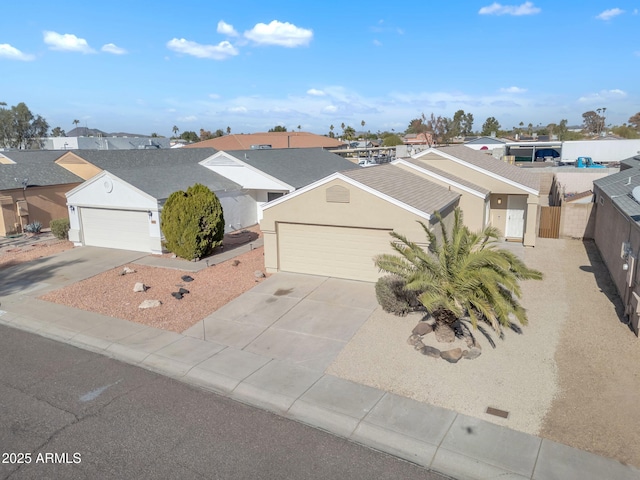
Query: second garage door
(121,229)
(342,252)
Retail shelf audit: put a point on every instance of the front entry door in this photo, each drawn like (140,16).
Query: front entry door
(516,206)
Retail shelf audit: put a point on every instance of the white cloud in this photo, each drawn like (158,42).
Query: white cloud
(66,42)
(330,109)
(188,118)
(278,33)
(113,48)
(527,8)
(609,14)
(602,95)
(12,53)
(377,43)
(315,92)
(238,109)
(226,29)
(221,51)
(513,90)
(214,96)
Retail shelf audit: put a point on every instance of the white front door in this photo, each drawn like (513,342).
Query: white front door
(516,207)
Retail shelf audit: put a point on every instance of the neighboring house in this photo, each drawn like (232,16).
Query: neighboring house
(485,143)
(617,232)
(335,226)
(105,143)
(268,140)
(270,173)
(32,188)
(492,191)
(120,203)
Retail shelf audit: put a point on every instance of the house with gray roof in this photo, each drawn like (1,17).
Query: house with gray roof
(270,173)
(617,233)
(338,224)
(120,203)
(32,188)
(492,191)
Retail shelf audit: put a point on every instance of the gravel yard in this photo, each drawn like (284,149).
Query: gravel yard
(111,293)
(25,249)
(571,375)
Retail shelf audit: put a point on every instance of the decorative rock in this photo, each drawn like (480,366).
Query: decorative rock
(413,340)
(139,287)
(419,345)
(174,256)
(177,295)
(452,356)
(422,328)
(150,304)
(259,274)
(127,270)
(183,291)
(187,278)
(472,354)
(430,351)
(235,263)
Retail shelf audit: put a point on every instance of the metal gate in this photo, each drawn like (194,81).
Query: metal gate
(549,222)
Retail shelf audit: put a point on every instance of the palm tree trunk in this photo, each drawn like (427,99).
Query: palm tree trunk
(444,325)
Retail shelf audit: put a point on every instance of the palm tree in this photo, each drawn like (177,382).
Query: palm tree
(76,122)
(228,130)
(175,130)
(462,275)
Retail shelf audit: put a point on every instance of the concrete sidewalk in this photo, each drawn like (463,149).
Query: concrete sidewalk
(438,439)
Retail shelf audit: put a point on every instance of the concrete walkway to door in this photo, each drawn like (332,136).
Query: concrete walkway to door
(303,319)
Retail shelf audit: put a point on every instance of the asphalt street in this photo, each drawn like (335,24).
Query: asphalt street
(69,413)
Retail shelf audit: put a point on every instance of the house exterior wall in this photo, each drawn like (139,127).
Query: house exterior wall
(239,209)
(363,210)
(577,220)
(612,228)
(44,204)
(499,189)
(471,205)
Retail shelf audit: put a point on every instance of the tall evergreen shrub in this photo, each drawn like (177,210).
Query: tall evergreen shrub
(192,222)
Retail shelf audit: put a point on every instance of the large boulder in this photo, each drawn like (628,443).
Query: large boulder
(150,304)
(452,356)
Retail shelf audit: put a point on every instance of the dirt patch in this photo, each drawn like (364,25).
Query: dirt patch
(571,376)
(111,293)
(597,358)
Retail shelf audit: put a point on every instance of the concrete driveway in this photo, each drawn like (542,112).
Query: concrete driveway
(303,319)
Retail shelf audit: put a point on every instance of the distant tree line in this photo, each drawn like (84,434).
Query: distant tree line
(21,129)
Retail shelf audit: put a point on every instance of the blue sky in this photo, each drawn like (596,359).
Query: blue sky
(144,67)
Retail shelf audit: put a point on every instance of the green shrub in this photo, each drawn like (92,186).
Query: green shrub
(60,228)
(394,298)
(34,227)
(192,222)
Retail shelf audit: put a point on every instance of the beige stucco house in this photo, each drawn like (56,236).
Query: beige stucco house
(32,188)
(491,191)
(335,226)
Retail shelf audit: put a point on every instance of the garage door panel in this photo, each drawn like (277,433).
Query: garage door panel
(343,252)
(121,229)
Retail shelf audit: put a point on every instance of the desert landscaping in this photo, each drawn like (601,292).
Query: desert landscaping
(566,377)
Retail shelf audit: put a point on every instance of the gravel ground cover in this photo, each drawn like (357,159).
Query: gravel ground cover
(25,249)
(570,376)
(111,293)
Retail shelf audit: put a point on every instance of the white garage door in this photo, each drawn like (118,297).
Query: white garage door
(342,252)
(122,229)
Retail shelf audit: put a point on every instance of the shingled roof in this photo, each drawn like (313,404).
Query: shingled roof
(406,187)
(489,164)
(37,167)
(297,167)
(274,139)
(159,172)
